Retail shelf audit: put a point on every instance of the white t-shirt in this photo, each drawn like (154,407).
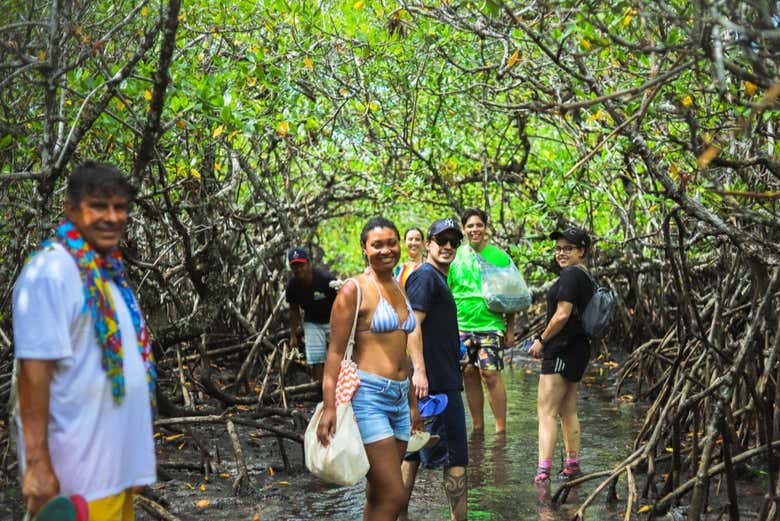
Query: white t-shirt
(97,448)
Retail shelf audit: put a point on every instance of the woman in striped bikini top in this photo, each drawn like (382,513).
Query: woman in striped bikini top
(385,318)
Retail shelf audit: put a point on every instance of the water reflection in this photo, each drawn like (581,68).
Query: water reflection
(500,471)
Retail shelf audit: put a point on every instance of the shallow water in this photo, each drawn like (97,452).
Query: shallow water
(500,470)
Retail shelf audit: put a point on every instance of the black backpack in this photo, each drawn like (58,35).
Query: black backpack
(598,314)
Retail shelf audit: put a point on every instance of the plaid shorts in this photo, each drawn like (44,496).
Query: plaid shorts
(485,349)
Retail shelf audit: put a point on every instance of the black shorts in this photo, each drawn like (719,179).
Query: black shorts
(452,450)
(570,365)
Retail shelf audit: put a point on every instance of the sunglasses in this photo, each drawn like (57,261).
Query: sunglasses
(565,249)
(442,241)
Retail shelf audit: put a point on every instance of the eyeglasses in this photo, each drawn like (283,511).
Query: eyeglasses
(565,249)
(442,241)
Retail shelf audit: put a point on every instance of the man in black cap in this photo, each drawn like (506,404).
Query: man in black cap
(437,331)
(310,290)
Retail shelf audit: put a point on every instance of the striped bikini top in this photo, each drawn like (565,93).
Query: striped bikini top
(385,319)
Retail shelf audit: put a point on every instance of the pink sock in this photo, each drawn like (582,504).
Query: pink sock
(545,464)
(570,462)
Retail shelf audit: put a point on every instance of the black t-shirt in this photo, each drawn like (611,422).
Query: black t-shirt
(428,292)
(315,300)
(575,286)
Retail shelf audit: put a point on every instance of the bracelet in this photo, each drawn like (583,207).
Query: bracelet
(540,339)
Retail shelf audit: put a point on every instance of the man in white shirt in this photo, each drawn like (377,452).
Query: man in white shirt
(86,377)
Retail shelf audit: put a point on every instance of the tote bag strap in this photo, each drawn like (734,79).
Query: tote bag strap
(351,342)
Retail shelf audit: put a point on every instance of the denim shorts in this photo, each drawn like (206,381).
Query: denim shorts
(381,408)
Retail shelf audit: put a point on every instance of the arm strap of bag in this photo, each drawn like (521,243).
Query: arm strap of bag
(483,261)
(351,343)
(592,280)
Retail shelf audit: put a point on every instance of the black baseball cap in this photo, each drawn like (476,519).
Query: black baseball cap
(444,225)
(576,236)
(297,255)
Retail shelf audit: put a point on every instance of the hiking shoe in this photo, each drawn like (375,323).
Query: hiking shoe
(542,475)
(570,471)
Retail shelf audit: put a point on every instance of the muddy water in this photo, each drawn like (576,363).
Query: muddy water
(500,468)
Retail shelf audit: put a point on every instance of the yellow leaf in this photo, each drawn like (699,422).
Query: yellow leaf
(217,167)
(203,488)
(653,208)
(181,445)
(307,62)
(232,135)
(147,95)
(269,27)
(120,105)
(687,101)
(251,81)
(68,102)
(271,471)
(157,435)
(644,508)
(218,131)
(585,44)
(189,486)
(173,437)
(707,156)
(750,88)
(343,91)
(256,517)
(284,483)
(513,59)
(202,503)
(196,174)
(144,11)
(673,170)
(669,449)
(180,123)
(41,55)
(626,20)
(282,128)
(358,5)
(225,475)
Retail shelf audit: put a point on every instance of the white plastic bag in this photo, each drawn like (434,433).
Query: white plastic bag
(344,460)
(503,288)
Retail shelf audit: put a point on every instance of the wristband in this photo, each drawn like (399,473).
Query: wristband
(540,339)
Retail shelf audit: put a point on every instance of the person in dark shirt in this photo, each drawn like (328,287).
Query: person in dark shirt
(309,290)
(564,349)
(437,330)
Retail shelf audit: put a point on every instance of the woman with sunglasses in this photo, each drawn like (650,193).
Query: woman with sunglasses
(413,239)
(564,349)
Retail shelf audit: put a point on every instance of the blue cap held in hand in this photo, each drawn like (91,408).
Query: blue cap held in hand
(432,405)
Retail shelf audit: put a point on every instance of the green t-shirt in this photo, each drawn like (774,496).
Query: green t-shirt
(466,285)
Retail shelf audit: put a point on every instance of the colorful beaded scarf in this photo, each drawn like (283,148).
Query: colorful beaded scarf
(96,270)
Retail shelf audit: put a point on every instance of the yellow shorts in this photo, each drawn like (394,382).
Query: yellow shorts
(118,507)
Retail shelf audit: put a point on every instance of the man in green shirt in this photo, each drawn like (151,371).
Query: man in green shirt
(484,332)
